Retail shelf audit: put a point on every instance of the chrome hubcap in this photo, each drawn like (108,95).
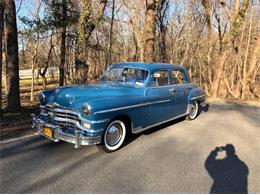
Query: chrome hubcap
(114,134)
(193,110)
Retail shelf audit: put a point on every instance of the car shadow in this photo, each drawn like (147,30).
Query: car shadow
(229,174)
(27,145)
(133,137)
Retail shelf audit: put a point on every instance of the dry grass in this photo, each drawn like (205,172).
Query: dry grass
(19,123)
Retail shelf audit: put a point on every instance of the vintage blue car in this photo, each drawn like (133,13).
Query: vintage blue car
(129,98)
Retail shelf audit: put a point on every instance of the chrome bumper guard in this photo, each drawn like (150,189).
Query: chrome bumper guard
(58,134)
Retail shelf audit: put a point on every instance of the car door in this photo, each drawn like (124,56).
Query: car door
(181,86)
(160,97)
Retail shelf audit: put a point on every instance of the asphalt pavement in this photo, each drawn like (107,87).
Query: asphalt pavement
(167,159)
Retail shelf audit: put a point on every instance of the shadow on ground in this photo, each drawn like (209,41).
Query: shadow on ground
(133,137)
(229,174)
(40,142)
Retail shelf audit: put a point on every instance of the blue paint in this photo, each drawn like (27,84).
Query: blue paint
(144,105)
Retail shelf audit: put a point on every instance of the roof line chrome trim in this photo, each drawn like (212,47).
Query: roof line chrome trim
(132,106)
(197,97)
(157,124)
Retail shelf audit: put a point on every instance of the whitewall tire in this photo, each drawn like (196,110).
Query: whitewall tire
(193,111)
(114,136)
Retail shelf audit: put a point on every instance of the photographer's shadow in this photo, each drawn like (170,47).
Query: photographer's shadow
(229,174)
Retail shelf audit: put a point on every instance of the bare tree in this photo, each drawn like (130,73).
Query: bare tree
(111,33)
(36,47)
(33,64)
(229,42)
(1,53)
(63,42)
(149,32)
(162,25)
(12,60)
(216,40)
(86,25)
(43,70)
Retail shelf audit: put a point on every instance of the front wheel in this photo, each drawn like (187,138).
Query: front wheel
(193,111)
(114,136)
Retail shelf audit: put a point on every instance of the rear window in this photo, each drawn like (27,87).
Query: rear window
(178,77)
(160,78)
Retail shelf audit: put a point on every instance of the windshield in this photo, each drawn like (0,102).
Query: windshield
(111,74)
(127,75)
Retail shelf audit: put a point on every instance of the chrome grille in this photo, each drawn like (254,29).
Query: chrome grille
(60,116)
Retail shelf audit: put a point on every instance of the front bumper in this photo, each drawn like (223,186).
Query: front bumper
(77,137)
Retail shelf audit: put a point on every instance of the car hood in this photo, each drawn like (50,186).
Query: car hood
(72,95)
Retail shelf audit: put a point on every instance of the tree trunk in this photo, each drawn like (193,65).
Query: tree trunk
(12,60)
(86,26)
(149,32)
(244,72)
(34,57)
(63,43)
(138,41)
(1,52)
(62,55)
(111,34)
(236,6)
(227,44)
(218,73)
(163,24)
(42,72)
(162,46)
(208,13)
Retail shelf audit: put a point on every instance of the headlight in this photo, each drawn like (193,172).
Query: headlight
(86,109)
(42,98)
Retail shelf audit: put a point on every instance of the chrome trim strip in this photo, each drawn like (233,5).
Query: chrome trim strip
(92,122)
(171,85)
(157,124)
(197,97)
(132,106)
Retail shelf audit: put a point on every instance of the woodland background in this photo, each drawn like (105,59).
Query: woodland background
(65,42)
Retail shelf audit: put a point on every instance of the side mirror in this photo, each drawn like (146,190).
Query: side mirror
(156,75)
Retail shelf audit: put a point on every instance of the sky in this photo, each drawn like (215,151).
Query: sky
(27,8)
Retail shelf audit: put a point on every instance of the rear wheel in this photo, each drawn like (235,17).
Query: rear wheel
(193,112)
(114,136)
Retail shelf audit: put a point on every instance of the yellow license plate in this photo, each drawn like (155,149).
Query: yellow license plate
(47,131)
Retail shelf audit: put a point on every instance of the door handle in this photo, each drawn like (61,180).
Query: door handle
(172,90)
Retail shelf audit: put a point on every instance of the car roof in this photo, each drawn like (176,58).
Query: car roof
(148,66)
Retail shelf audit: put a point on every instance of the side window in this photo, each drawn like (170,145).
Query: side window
(160,78)
(178,77)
